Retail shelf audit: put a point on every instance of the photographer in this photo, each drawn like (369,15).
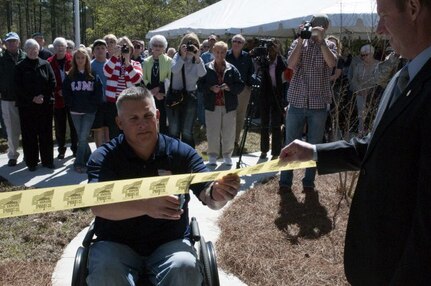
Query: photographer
(312,58)
(271,65)
(188,63)
(121,72)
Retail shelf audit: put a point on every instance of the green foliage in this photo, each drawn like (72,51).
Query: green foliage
(133,18)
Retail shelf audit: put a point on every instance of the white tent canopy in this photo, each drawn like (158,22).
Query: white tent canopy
(273,18)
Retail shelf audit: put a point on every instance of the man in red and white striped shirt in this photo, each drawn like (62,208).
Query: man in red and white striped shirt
(121,72)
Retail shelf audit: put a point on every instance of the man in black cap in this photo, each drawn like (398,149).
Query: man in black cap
(44,54)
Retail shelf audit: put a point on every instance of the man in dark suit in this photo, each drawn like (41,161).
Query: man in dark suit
(388,239)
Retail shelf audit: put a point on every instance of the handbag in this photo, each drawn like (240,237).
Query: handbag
(175,97)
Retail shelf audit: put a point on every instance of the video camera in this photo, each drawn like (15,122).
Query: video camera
(306,31)
(261,52)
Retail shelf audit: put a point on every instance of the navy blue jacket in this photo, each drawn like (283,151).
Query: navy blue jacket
(244,64)
(231,77)
(81,94)
(116,160)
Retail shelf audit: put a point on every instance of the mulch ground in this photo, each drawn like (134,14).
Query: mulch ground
(297,238)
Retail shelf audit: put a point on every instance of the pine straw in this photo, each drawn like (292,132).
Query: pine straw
(27,273)
(288,239)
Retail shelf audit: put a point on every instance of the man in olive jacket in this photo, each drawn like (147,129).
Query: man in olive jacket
(8,60)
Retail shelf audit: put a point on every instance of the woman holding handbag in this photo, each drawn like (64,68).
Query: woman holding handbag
(187,68)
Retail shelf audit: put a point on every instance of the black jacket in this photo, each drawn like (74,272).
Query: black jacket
(233,80)
(7,69)
(32,78)
(388,239)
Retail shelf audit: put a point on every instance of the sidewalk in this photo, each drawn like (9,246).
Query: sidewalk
(64,175)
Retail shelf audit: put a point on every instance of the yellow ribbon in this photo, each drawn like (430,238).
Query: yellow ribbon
(26,202)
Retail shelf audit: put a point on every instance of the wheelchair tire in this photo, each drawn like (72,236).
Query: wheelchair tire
(212,264)
(80,267)
(206,255)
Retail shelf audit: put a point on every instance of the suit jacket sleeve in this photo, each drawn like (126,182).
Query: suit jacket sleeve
(341,156)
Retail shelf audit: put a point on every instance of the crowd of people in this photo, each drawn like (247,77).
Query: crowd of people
(145,103)
(215,91)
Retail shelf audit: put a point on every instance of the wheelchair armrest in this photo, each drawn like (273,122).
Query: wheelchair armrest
(88,239)
(195,233)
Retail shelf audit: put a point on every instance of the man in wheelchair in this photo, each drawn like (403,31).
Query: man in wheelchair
(147,238)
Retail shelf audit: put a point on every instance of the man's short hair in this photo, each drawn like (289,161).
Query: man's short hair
(135,93)
(60,41)
(239,36)
(30,43)
(37,34)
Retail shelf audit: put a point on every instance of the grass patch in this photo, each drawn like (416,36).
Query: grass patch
(32,245)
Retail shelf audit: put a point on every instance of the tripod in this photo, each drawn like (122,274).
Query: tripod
(251,109)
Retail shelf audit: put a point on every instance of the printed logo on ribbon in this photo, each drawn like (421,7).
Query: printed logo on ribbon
(131,191)
(159,187)
(73,198)
(10,205)
(43,201)
(104,193)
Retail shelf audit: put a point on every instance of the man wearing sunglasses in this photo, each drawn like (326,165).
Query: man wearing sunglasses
(138,51)
(242,61)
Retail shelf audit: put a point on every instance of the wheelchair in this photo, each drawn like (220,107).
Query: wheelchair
(205,252)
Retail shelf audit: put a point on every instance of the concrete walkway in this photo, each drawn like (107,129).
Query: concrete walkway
(65,175)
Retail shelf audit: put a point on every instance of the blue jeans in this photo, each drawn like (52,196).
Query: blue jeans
(181,119)
(173,263)
(83,124)
(295,122)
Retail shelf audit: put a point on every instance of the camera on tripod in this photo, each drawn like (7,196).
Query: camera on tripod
(261,52)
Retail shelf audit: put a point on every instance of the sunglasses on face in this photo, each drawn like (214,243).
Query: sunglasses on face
(137,46)
(237,41)
(363,55)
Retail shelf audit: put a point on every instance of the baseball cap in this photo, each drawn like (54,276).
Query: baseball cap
(321,20)
(11,36)
(99,42)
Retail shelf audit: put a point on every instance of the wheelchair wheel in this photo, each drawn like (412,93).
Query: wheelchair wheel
(213,264)
(207,257)
(80,267)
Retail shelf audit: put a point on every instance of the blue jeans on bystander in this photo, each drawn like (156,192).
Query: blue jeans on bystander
(295,121)
(83,124)
(181,119)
